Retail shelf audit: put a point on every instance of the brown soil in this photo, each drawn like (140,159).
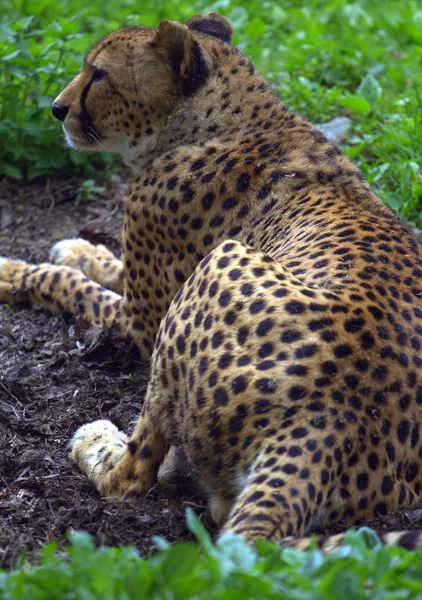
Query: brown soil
(56,375)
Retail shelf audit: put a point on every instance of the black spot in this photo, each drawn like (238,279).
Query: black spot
(354,325)
(242,335)
(197,223)
(403,431)
(239,384)
(265,385)
(391,451)
(256,306)
(265,365)
(265,350)
(220,397)
(376,312)
(230,203)
(264,327)
(132,447)
(317,324)
(294,307)
(145,453)
(280,293)
(306,351)
(412,472)
(328,368)
(171,183)
(343,350)
(198,164)
(207,200)
(243,182)
(246,289)
(217,339)
(379,373)
(386,485)
(224,299)
(299,370)
(381,509)
(290,336)
(328,336)
(234,274)
(362,481)
(289,469)
(367,340)
(213,289)
(299,432)
(362,365)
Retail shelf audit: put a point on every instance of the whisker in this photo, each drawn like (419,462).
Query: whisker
(94,135)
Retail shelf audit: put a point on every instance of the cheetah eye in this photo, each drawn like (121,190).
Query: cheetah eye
(99,75)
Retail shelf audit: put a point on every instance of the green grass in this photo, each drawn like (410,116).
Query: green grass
(360,569)
(326,58)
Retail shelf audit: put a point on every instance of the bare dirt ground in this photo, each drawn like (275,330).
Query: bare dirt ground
(56,375)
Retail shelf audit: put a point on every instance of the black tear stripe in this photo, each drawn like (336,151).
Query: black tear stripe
(84,116)
(197,72)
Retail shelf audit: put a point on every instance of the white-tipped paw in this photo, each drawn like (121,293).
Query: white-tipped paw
(96,447)
(72,253)
(9,268)
(9,276)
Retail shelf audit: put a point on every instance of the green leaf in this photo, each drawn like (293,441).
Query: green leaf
(44,101)
(11,171)
(198,529)
(370,538)
(356,104)
(370,90)
(238,17)
(354,151)
(160,542)
(235,554)
(11,55)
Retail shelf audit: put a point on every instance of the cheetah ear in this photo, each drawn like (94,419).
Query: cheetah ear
(213,24)
(188,61)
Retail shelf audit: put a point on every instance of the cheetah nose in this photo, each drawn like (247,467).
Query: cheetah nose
(59,111)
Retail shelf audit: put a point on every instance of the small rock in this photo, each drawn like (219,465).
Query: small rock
(335,130)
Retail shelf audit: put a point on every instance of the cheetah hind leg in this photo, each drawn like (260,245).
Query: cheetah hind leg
(97,262)
(275,506)
(285,509)
(220,508)
(119,467)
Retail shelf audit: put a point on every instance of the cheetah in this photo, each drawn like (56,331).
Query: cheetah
(280,300)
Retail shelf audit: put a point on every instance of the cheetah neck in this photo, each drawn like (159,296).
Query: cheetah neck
(224,109)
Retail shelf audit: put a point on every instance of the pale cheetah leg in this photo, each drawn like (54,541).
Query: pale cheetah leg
(274,506)
(60,289)
(298,495)
(411,539)
(97,262)
(220,508)
(121,471)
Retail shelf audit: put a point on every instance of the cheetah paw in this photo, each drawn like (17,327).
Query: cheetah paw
(9,276)
(78,253)
(96,447)
(72,253)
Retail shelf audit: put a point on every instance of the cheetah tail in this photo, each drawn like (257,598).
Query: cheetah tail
(412,540)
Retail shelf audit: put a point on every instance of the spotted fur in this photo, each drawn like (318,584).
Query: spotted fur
(280,299)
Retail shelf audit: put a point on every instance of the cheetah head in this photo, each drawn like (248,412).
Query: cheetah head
(133,80)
